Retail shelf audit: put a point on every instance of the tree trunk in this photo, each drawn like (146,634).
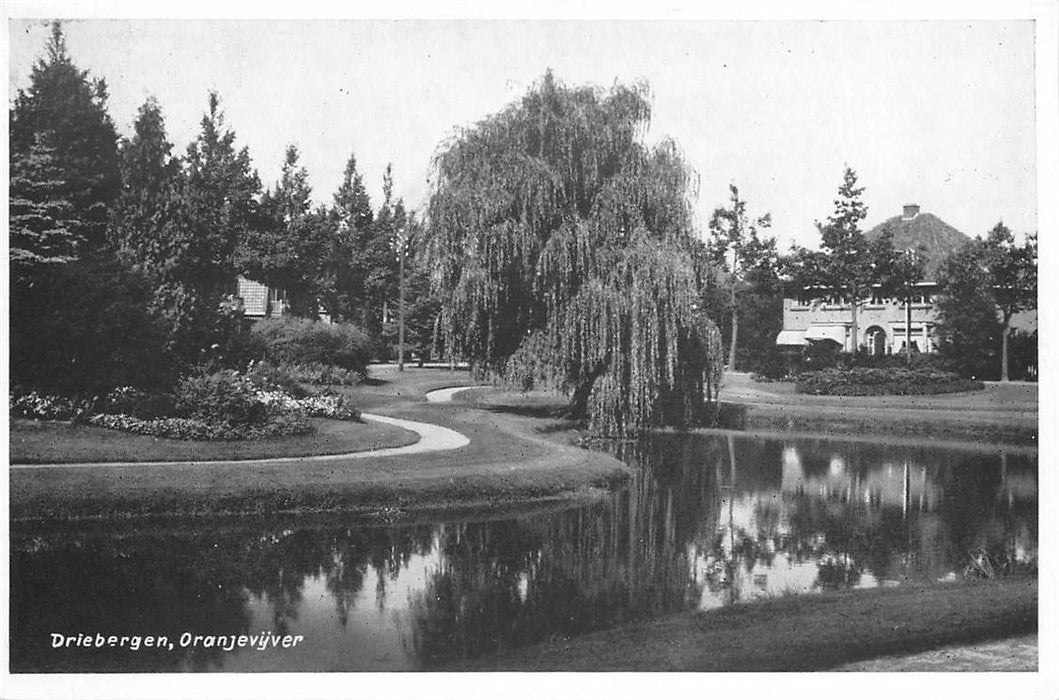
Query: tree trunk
(578,406)
(735,333)
(1004,348)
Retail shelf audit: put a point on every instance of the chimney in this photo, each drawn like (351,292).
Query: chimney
(911,212)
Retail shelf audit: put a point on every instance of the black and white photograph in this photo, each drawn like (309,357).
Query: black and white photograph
(553,352)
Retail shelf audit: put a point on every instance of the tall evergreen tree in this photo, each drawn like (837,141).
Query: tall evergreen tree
(222,193)
(42,221)
(344,272)
(288,250)
(78,321)
(155,237)
(380,259)
(64,113)
(351,201)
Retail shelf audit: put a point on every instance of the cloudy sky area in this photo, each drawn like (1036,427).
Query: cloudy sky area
(939,112)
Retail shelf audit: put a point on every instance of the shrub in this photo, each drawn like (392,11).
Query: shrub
(821,355)
(772,364)
(920,361)
(299,341)
(223,405)
(220,397)
(290,377)
(867,381)
(134,402)
(83,328)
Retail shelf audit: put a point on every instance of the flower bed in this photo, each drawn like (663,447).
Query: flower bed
(193,429)
(865,381)
(223,405)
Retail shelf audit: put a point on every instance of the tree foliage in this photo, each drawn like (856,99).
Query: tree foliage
(63,114)
(983,286)
(561,249)
(345,269)
(737,249)
(222,192)
(77,319)
(379,253)
(848,265)
(289,247)
(901,273)
(43,222)
(177,224)
(968,329)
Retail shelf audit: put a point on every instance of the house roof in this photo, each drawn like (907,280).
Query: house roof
(934,238)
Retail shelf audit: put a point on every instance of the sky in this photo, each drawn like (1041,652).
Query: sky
(940,113)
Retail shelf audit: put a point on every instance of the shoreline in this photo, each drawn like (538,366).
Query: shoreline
(819,632)
(509,463)
(522,453)
(523,460)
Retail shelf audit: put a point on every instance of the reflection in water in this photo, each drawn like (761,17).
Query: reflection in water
(708,521)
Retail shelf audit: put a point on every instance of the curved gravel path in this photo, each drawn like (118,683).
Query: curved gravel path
(445,395)
(432,438)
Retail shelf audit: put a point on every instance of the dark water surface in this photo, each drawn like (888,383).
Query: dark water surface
(710,520)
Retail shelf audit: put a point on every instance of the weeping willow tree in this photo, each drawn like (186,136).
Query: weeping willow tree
(563,252)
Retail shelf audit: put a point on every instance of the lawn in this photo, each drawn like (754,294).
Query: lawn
(43,442)
(799,633)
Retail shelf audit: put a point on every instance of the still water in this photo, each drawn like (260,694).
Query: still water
(709,520)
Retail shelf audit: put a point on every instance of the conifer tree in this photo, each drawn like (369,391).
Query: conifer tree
(77,319)
(348,223)
(848,265)
(64,113)
(222,191)
(42,221)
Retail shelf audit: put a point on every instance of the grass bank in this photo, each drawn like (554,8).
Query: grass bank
(512,460)
(804,633)
(46,442)
(1004,414)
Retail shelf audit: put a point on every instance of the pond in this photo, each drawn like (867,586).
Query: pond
(708,521)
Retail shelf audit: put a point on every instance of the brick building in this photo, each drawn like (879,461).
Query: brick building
(881,321)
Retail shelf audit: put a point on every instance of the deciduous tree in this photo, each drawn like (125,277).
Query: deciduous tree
(738,249)
(968,329)
(561,248)
(992,271)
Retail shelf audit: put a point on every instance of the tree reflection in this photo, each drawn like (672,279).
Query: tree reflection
(707,520)
(198,582)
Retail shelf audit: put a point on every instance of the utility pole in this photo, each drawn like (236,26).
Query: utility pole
(401,242)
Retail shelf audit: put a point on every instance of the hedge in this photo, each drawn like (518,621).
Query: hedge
(300,341)
(866,381)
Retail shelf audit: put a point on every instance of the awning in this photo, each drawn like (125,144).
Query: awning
(835,333)
(790,338)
